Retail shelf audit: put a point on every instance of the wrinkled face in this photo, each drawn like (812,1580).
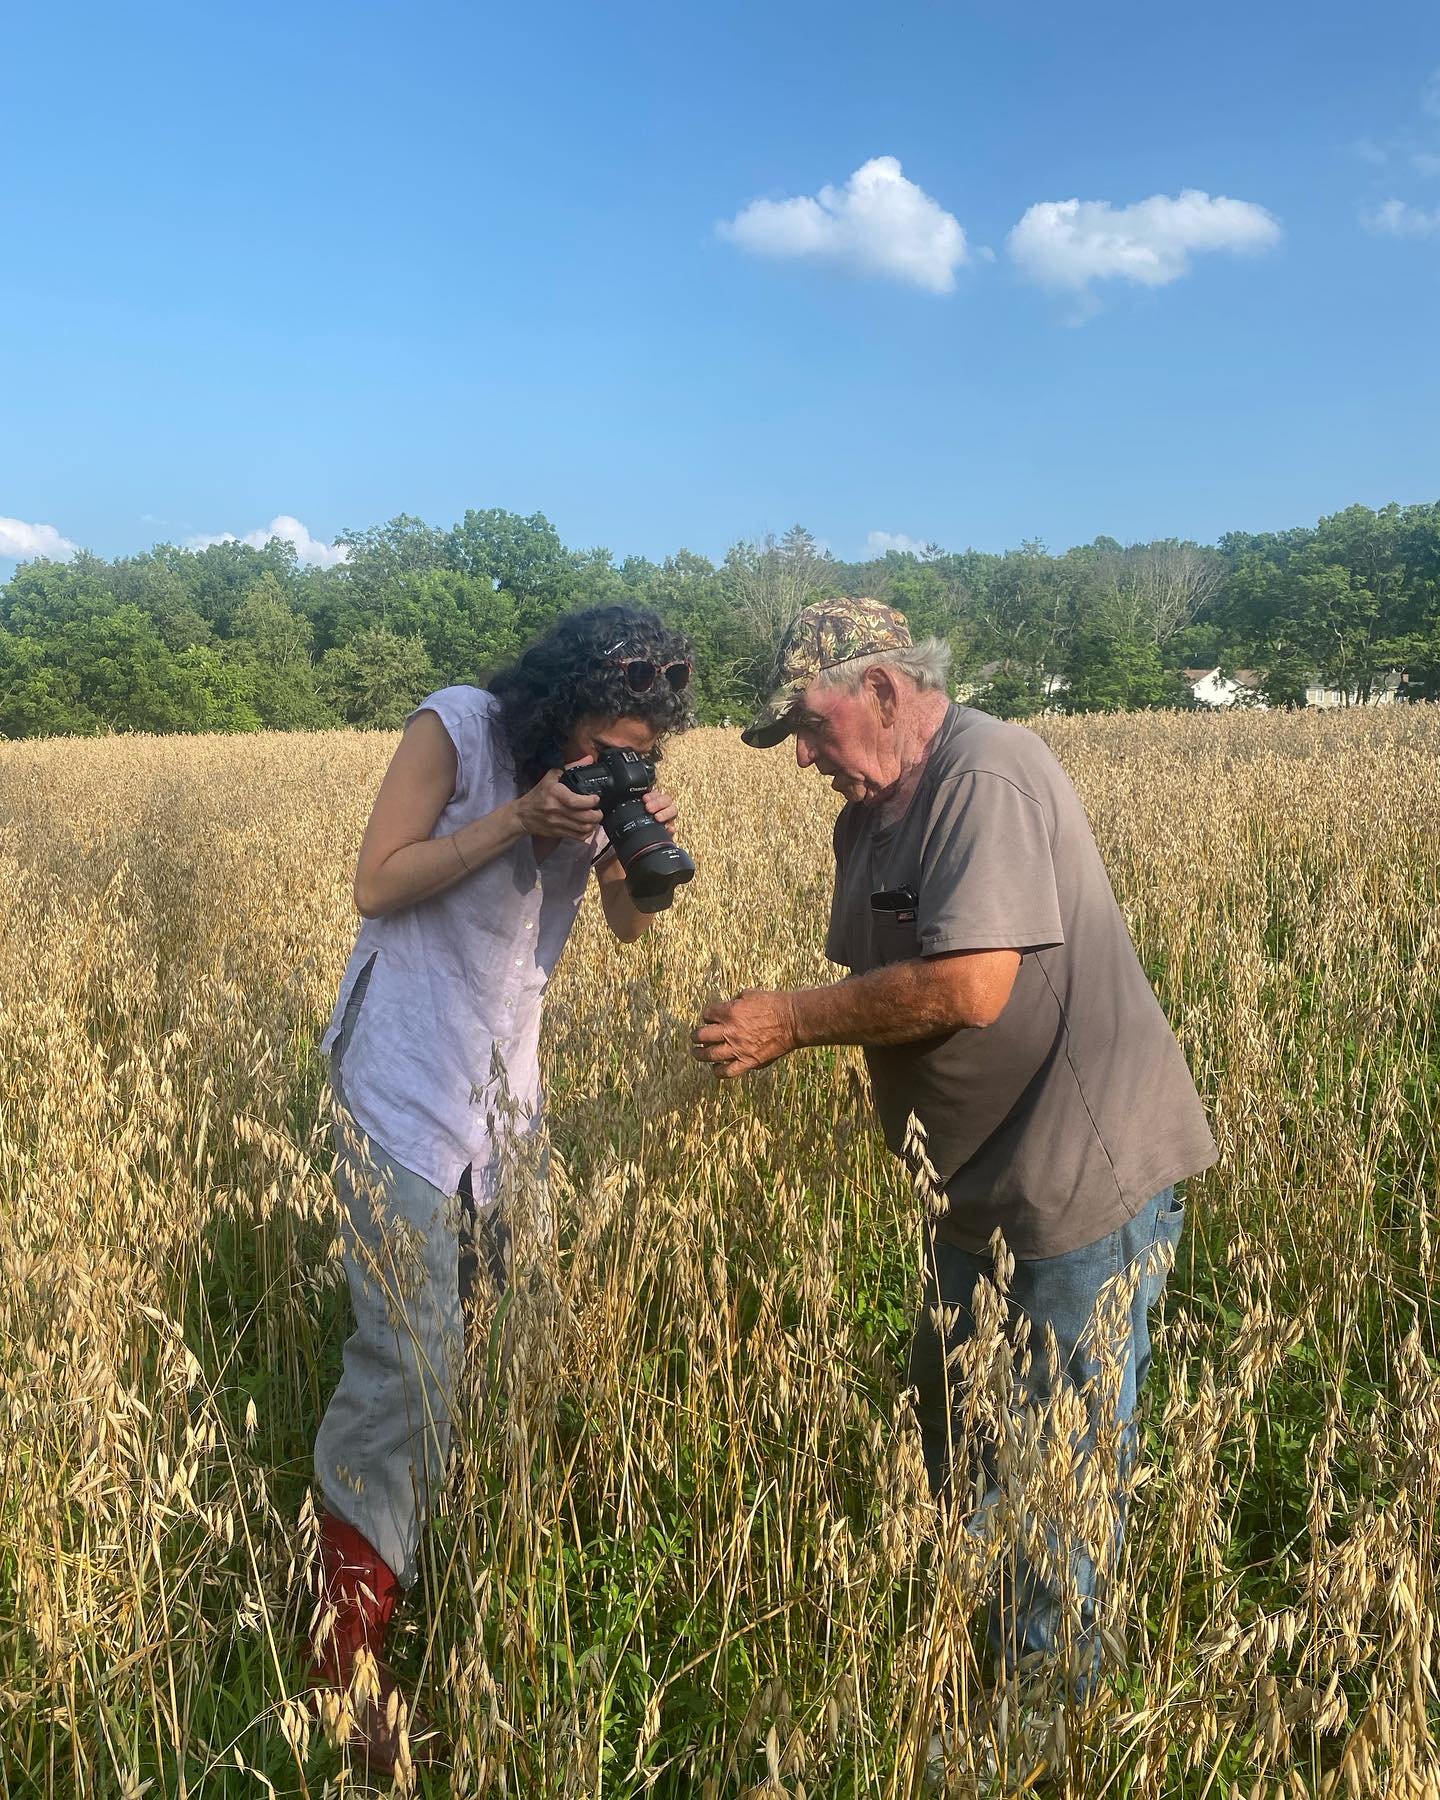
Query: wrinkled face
(846,738)
(595,734)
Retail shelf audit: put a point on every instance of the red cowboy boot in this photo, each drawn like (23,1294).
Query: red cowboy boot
(360,1590)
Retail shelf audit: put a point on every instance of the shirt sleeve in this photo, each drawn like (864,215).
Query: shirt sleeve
(987,880)
(469,727)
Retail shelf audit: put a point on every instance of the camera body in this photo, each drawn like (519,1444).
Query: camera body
(653,862)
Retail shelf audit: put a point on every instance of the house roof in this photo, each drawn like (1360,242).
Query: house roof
(1247,678)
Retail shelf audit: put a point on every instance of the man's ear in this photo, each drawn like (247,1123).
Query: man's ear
(883,689)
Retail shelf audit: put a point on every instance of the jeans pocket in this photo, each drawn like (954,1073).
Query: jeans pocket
(1170,1220)
(1160,1258)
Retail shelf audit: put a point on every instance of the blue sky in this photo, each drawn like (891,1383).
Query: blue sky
(335,263)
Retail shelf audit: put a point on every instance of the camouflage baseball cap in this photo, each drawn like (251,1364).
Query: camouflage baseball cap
(824,633)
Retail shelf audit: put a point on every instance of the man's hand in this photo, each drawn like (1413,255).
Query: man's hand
(662,807)
(738,1036)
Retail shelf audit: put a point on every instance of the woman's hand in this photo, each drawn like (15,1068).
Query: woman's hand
(552,811)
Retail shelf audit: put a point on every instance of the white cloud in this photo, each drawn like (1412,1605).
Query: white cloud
(1406,150)
(877,224)
(1397,218)
(309,550)
(879,542)
(1070,243)
(19,541)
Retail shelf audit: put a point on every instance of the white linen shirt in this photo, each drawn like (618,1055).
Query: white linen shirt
(449,1020)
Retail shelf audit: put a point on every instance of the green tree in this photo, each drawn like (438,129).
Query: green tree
(160,589)
(229,637)
(768,582)
(43,597)
(1347,600)
(385,555)
(1026,617)
(689,594)
(1010,694)
(1113,672)
(466,624)
(523,555)
(218,577)
(38,697)
(218,689)
(1284,680)
(271,645)
(377,678)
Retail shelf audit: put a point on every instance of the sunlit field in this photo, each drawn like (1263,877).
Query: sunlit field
(686,1546)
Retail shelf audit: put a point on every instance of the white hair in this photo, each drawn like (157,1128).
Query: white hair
(927,664)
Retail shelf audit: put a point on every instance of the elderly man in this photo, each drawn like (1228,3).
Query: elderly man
(999,1000)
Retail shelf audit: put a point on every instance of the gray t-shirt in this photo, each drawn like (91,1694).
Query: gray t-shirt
(1059,1121)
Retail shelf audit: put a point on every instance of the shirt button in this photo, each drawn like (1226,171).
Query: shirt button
(529,924)
(519,962)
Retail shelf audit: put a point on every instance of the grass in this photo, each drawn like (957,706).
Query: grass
(685,1547)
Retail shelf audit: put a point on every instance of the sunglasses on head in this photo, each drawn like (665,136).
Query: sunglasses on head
(642,672)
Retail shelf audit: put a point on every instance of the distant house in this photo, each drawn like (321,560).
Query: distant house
(1385,692)
(979,679)
(1242,688)
(1211,688)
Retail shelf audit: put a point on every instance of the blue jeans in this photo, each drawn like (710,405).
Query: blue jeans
(413,1258)
(1030,1620)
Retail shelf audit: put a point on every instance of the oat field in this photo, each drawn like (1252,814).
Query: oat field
(686,1547)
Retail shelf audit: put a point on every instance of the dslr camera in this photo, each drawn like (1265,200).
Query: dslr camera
(653,862)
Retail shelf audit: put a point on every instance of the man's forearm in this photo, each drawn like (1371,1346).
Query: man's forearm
(903,1003)
(898,1004)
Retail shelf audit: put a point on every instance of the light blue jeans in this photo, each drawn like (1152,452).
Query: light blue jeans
(413,1257)
(1028,1621)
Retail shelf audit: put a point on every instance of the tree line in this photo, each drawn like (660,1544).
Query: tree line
(231,638)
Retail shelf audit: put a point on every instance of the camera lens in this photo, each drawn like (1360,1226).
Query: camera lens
(654,863)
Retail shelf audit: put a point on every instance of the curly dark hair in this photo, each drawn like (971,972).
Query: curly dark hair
(567,675)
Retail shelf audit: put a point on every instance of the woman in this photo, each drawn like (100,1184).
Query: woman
(470,876)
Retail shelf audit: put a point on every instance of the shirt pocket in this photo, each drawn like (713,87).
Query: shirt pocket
(895,940)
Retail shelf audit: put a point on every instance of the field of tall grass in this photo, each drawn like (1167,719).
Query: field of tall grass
(686,1546)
